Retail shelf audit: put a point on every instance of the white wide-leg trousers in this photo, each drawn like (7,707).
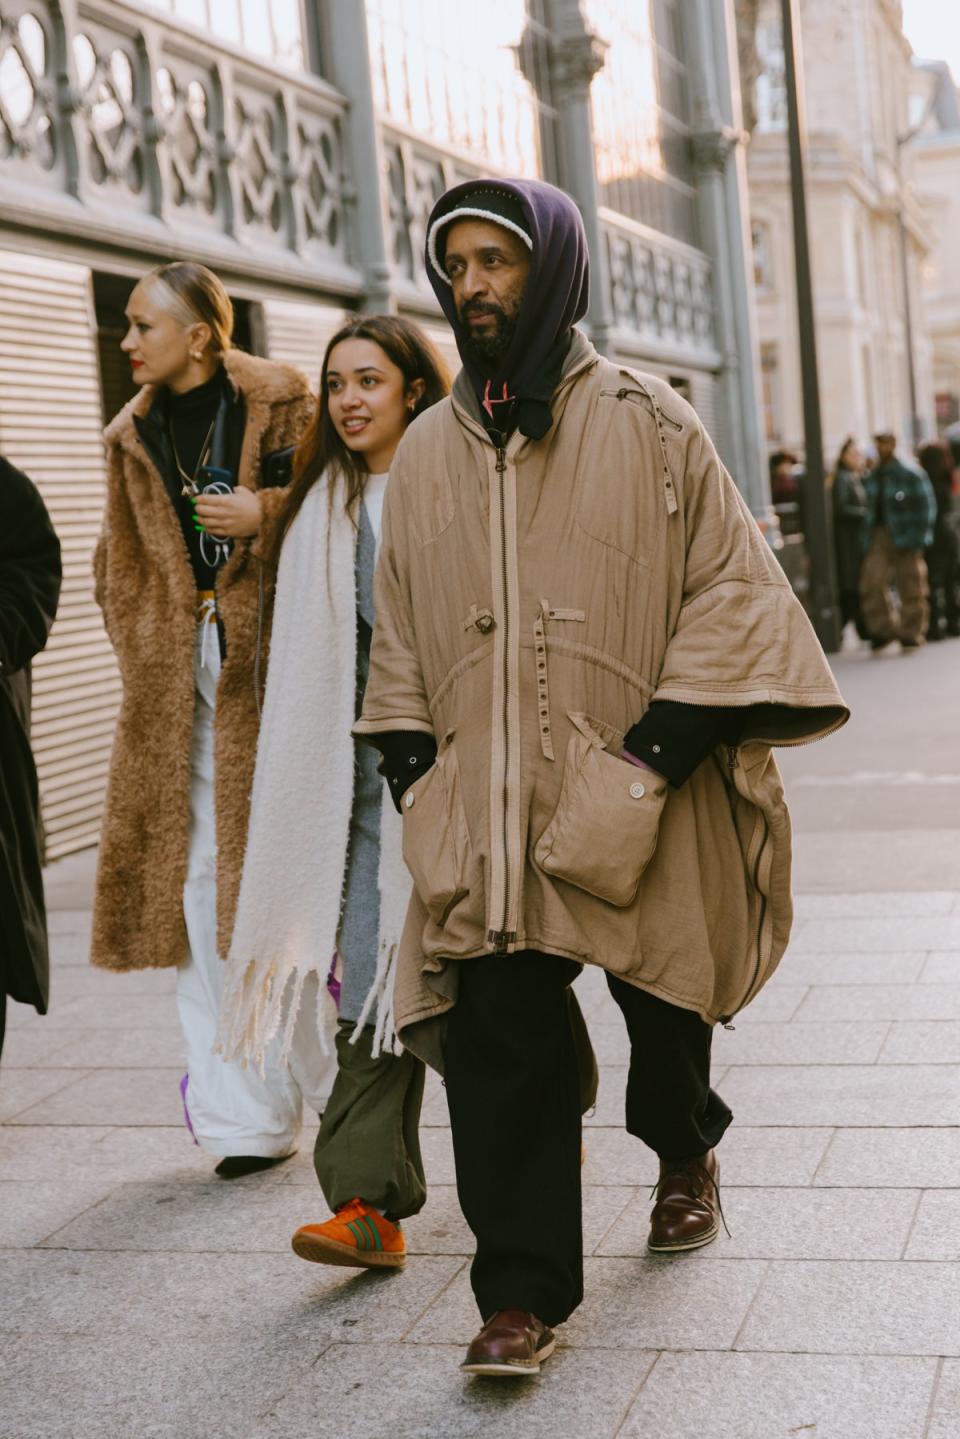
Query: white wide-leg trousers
(232,1109)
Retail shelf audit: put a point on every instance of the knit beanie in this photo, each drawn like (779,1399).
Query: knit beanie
(486,202)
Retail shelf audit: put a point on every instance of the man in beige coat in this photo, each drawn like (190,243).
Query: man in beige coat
(583,653)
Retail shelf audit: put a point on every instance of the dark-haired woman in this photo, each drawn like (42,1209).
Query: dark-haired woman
(849,520)
(191,462)
(323,871)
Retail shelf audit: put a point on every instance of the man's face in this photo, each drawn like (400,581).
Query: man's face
(886,448)
(487,267)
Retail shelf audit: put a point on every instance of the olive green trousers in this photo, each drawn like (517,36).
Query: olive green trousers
(368,1144)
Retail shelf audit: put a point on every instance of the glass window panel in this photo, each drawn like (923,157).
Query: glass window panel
(457,83)
(271,29)
(287,37)
(193,11)
(641,115)
(226,20)
(257,28)
(771,92)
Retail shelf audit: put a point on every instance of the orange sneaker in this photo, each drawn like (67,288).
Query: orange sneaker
(357,1236)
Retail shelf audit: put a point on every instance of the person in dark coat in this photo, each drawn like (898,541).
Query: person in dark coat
(901,511)
(787,492)
(849,519)
(942,557)
(30,576)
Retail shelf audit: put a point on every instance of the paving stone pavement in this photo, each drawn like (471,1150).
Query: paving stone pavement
(143,1299)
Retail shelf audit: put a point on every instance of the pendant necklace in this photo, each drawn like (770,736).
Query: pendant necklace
(188,484)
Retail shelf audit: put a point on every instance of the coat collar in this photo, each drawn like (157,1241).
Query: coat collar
(262,385)
(580,356)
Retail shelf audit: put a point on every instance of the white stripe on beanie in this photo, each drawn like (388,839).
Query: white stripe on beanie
(468,212)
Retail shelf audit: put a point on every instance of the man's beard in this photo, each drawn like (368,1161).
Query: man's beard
(487,349)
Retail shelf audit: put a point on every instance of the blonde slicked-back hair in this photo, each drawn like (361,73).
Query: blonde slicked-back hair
(194,295)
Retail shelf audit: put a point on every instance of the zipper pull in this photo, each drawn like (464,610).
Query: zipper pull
(501,460)
(731,757)
(501,939)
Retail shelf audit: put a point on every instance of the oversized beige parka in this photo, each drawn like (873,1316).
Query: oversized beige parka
(531,602)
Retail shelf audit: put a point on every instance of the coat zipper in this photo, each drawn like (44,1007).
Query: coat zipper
(502,937)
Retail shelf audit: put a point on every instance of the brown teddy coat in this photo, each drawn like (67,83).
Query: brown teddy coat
(146,588)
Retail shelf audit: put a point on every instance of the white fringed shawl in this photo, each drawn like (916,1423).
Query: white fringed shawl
(288,913)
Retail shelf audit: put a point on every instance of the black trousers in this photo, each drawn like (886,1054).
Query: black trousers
(513,1093)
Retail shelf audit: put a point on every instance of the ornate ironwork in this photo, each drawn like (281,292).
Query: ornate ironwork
(188,148)
(113,107)
(318,181)
(260,148)
(27,88)
(111,87)
(659,289)
(417,175)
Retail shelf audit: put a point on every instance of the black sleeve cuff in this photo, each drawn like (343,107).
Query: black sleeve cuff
(405,755)
(674,739)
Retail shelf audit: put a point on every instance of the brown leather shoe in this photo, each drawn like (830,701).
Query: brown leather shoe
(513,1342)
(685,1215)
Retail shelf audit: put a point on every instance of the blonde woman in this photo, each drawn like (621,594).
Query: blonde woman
(194,465)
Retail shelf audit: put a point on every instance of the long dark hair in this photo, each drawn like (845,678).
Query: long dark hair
(322,448)
(841,462)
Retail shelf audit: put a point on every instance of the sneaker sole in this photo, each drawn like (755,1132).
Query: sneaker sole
(503,1369)
(696,1241)
(331,1251)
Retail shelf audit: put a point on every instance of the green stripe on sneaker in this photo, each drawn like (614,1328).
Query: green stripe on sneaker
(358,1233)
(374,1231)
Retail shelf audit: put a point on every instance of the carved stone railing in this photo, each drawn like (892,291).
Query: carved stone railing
(417,174)
(661,290)
(172,136)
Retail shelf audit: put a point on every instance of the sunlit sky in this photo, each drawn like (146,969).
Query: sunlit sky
(933,29)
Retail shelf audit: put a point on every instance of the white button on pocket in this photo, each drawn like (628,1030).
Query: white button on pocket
(408,800)
(638,791)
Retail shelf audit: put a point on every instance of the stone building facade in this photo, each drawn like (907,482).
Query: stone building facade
(864,213)
(935,151)
(297,147)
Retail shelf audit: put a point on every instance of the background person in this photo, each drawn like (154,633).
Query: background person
(323,870)
(193,465)
(787,493)
(849,514)
(901,513)
(30,574)
(941,555)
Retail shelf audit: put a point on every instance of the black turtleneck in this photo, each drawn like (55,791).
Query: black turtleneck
(191,417)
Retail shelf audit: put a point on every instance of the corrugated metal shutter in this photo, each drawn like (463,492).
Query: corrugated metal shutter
(50,426)
(298,333)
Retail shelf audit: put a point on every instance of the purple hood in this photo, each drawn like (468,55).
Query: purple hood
(555,299)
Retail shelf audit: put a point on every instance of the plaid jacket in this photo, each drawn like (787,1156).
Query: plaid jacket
(909,504)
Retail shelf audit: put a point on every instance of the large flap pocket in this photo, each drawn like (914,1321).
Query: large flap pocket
(604,831)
